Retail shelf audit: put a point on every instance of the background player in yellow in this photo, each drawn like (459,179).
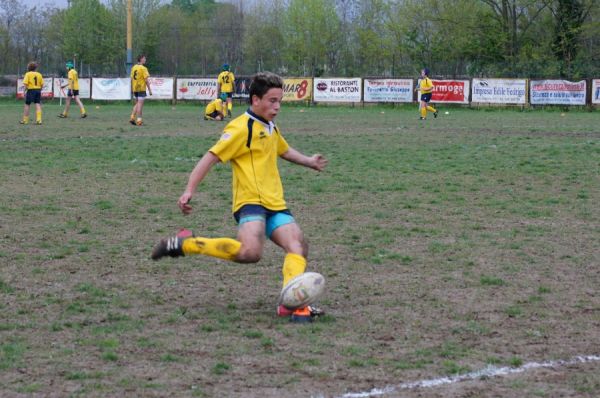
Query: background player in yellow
(252,144)
(33,82)
(72,91)
(139,84)
(215,110)
(425,86)
(226,84)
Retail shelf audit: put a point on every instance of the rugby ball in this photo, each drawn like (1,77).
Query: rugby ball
(302,290)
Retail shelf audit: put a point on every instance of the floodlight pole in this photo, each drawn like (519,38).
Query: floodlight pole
(129,36)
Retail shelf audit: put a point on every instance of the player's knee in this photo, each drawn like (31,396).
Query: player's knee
(249,255)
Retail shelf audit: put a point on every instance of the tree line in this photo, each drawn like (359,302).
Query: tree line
(492,38)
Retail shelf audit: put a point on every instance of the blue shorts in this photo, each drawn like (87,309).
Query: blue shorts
(72,93)
(426,97)
(33,95)
(139,94)
(229,94)
(273,219)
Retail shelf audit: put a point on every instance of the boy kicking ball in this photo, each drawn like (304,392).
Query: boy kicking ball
(252,143)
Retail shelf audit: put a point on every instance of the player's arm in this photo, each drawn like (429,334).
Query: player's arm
(148,85)
(316,161)
(197,175)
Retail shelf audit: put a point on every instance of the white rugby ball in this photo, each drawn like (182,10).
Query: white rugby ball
(302,290)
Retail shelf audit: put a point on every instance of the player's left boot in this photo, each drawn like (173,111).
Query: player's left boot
(83,115)
(435,114)
(172,246)
(301,315)
(62,116)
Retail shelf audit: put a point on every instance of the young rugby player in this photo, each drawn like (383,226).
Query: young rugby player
(72,91)
(215,110)
(425,86)
(252,143)
(226,84)
(139,84)
(33,82)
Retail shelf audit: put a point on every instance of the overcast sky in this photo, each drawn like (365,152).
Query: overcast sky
(56,3)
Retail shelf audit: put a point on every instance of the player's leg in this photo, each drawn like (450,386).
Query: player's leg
(65,112)
(283,230)
(430,108)
(229,104)
(26,110)
(423,109)
(140,108)
(81,107)
(37,100)
(134,110)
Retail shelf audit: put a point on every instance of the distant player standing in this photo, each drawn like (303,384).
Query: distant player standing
(425,86)
(72,91)
(226,85)
(139,84)
(215,110)
(33,82)
(252,144)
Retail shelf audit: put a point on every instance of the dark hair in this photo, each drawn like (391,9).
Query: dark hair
(31,66)
(139,58)
(263,82)
(426,71)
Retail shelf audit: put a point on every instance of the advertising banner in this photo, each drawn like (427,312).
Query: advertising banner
(196,89)
(111,89)
(46,88)
(557,92)
(84,87)
(450,91)
(499,91)
(337,90)
(242,86)
(297,89)
(162,88)
(596,91)
(388,90)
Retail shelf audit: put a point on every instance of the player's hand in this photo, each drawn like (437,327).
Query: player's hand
(184,203)
(318,162)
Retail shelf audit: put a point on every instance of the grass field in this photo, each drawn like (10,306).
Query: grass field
(448,245)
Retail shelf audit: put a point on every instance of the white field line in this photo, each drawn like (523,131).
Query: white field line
(489,371)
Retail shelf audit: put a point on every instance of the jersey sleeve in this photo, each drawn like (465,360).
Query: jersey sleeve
(282,145)
(230,144)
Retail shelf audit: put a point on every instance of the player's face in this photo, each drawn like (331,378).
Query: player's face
(268,106)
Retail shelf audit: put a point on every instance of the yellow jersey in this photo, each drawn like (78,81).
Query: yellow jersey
(225,81)
(214,105)
(33,80)
(425,85)
(139,74)
(73,80)
(253,147)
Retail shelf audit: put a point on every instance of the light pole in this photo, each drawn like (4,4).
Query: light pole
(129,36)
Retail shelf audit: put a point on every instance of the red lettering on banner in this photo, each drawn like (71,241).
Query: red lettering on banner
(445,91)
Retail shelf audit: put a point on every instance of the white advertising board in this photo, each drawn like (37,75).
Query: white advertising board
(557,92)
(84,87)
(499,91)
(111,89)
(162,88)
(596,91)
(388,90)
(337,90)
(196,89)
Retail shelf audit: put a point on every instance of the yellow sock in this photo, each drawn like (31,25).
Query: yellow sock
(225,248)
(423,112)
(83,111)
(38,116)
(230,106)
(132,117)
(26,119)
(293,265)
(431,109)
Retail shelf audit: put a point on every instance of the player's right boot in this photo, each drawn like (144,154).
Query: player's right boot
(83,115)
(132,121)
(435,114)
(62,116)
(171,246)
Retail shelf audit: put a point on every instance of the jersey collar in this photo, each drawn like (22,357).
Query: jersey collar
(268,124)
